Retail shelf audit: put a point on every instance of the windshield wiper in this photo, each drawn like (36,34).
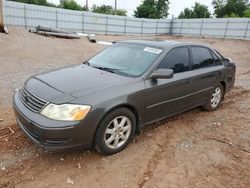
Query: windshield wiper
(99,67)
(106,69)
(109,69)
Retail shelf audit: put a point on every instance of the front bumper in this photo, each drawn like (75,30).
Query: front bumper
(52,134)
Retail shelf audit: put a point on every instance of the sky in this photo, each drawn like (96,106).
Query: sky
(176,6)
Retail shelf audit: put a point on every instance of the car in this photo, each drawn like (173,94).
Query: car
(105,101)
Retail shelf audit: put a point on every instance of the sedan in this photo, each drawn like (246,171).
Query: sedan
(105,101)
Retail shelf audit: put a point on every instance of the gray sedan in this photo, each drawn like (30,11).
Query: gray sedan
(105,101)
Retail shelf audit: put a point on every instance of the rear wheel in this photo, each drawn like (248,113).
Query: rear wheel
(215,98)
(115,131)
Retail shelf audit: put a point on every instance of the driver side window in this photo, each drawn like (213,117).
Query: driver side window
(177,59)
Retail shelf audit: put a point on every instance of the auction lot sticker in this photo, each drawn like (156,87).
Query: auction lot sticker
(152,50)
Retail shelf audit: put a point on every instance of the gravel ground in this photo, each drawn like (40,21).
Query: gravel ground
(193,149)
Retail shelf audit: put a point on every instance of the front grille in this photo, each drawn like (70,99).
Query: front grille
(31,101)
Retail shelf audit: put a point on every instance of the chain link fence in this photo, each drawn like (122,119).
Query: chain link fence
(29,16)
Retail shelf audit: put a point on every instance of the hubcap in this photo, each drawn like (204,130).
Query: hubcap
(117,132)
(216,97)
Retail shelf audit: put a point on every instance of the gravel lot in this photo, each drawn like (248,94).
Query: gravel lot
(193,149)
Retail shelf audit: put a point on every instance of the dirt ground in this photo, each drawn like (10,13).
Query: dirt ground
(193,149)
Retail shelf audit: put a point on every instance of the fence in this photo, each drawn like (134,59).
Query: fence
(29,16)
(233,28)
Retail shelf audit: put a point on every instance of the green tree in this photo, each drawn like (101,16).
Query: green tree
(120,12)
(197,11)
(70,4)
(36,2)
(152,9)
(228,8)
(162,7)
(107,9)
(186,13)
(103,9)
(66,4)
(247,13)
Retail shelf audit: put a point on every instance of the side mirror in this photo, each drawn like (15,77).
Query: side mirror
(162,74)
(228,59)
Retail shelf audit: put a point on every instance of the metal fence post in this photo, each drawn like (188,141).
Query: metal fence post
(245,35)
(142,27)
(82,21)
(181,27)
(156,28)
(125,25)
(171,25)
(201,27)
(25,16)
(225,34)
(56,20)
(106,25)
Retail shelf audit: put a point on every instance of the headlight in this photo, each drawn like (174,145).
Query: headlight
(66,112)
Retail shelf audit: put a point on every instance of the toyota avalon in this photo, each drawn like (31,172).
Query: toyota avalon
(105,101)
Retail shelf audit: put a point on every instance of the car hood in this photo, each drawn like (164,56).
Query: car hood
(65,84)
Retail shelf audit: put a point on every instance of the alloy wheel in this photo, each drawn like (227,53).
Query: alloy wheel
(117,132)
(216,97)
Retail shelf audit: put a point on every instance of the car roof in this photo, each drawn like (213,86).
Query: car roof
(163,43)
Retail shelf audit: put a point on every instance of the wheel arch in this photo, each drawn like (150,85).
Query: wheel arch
(124,105)
(223,83)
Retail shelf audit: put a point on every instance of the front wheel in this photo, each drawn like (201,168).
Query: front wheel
(115,131)
(215,98)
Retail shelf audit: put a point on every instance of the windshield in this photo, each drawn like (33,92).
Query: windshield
(126,59)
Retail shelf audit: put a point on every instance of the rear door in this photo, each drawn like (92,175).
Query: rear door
(205,73)
(167,96)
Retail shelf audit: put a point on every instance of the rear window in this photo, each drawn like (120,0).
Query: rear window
(219,55)
(217,60)
(202,58)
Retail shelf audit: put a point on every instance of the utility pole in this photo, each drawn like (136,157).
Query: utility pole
(1,16)
(87,4)
(115,4)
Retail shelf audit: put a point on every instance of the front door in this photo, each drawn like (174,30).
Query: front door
(168,96)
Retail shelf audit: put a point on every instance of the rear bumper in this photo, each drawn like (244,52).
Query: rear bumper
(51,134)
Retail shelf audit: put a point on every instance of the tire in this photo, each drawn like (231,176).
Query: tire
(115,131)
(215,98)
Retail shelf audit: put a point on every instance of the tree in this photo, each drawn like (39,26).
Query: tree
(70,4)
(247,13)
(107,9)
(162,7)
(152,9)
(103,9)
(186,13)
(66,4)
(197,11)
(228,8)
(201,11)
(36,2)
(120,12)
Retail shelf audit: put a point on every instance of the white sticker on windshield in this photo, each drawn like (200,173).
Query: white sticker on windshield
(152,50)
